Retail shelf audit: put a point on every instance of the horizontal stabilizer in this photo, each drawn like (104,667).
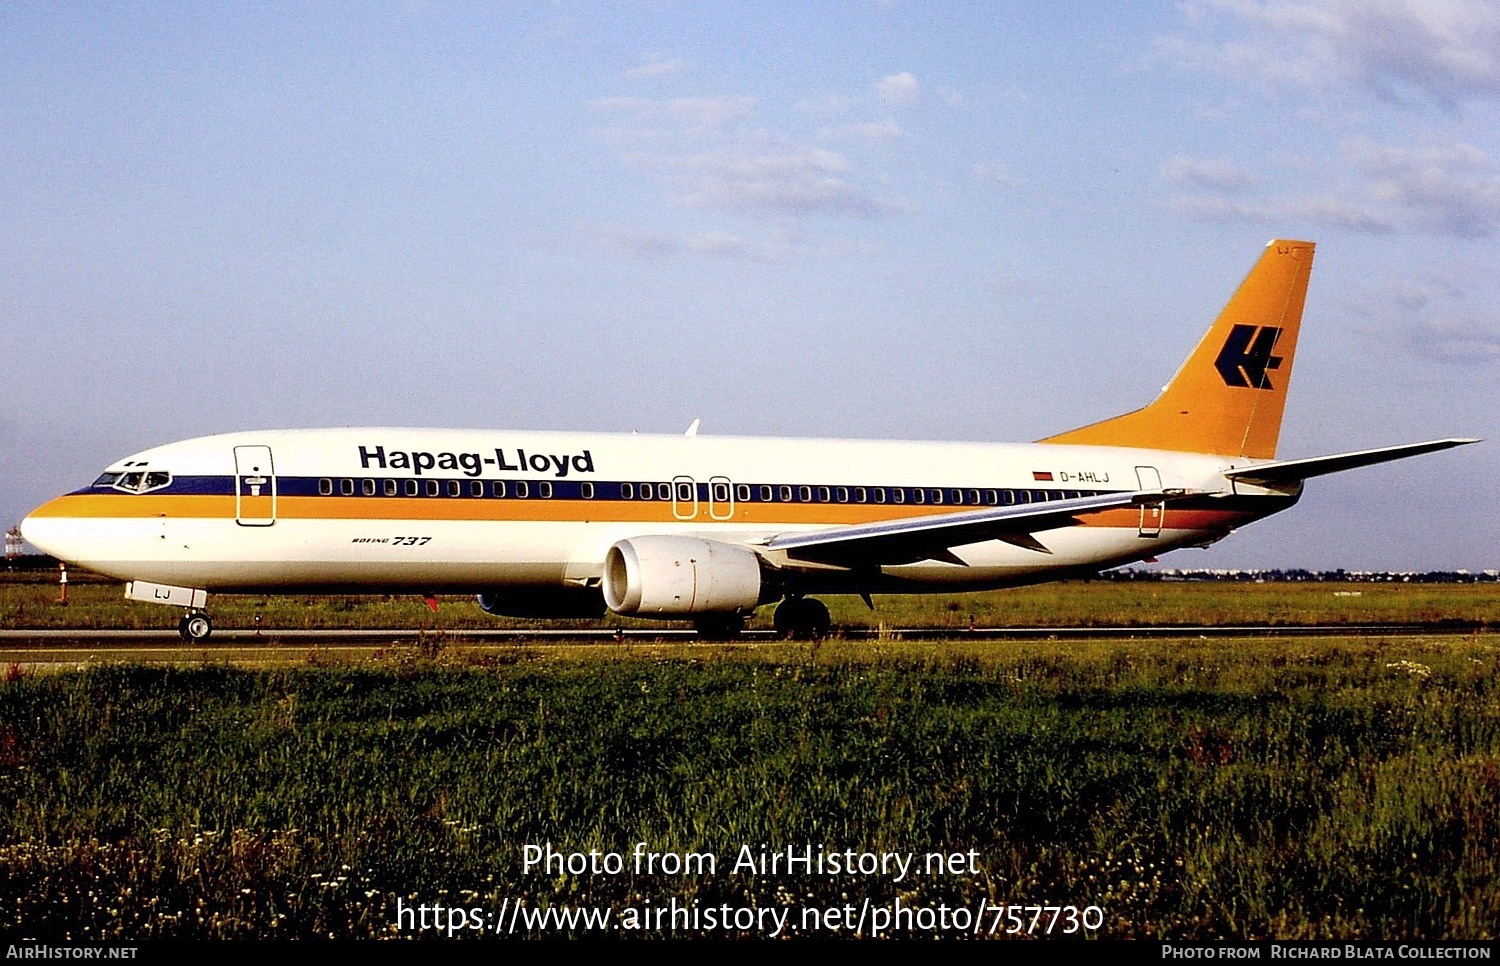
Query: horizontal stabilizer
(1289,471)
(931,537)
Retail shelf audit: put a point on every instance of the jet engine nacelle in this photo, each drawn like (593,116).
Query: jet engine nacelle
(682,576)
(543,603)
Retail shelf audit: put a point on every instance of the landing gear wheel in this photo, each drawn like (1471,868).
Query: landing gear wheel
(802,619)
(195,627)
(719,627)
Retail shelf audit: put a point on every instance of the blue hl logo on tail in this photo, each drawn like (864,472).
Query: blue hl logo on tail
(1243,362)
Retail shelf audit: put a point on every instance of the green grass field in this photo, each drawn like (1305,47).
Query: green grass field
(1307,788)
(1099,603)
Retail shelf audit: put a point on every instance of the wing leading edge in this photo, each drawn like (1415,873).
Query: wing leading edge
(932,537)
(1292,471)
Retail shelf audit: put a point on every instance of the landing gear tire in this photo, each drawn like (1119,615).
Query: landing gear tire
(802,619)
(195,627)
(719,627)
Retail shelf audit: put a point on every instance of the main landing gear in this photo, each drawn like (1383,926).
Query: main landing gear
(802,619)
(195,627)
(796,618)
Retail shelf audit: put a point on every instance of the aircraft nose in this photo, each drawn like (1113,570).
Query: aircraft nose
(47,530)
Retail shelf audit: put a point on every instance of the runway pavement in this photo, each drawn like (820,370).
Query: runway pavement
(238,638)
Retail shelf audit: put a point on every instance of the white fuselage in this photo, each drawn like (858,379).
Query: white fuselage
(429,511)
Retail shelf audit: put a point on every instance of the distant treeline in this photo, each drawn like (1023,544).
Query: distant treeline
(1312,576)
(39,567)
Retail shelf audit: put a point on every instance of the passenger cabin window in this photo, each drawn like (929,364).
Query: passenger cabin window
(411,488)
(325,487)
(367,487)
(498,488)
(586,490)
(346,487)
(391,487)
(523,490)
(544,490)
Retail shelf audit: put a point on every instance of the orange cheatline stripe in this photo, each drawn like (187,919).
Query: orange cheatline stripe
(104,506)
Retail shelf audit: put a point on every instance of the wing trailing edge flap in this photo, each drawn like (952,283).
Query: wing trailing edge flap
(1292,471)
(933,537)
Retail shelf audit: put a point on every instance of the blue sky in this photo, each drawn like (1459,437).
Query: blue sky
(933,221)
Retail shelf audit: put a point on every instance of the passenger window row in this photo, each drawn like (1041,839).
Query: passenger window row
(516,489)
(686,492)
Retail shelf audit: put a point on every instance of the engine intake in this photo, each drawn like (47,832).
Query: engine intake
(682,576)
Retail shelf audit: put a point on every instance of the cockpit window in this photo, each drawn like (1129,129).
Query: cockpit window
(136,481)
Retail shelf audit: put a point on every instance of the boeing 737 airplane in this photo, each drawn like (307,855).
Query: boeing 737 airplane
(708,528)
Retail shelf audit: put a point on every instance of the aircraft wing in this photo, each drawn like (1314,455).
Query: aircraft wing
(1291,471)
(933,537)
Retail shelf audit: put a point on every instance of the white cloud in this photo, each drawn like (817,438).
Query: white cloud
(897,88)
(635,242)
(1449,190)
(1459,340)
(721,243)
(710,112)
(656,66)
(1215,174)
(784,179)
(707,153)
(831,104)
(1444,50)
(1282,211)
(886,130)
(1430,314)
(999,174)
(637,107)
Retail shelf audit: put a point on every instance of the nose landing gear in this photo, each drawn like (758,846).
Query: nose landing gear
(195,627)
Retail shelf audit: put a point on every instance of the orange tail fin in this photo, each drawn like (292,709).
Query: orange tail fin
(1228,396)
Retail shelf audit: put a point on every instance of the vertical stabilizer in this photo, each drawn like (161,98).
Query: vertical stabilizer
(1228,396)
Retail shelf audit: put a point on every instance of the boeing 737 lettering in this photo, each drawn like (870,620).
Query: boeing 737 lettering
(703,528)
